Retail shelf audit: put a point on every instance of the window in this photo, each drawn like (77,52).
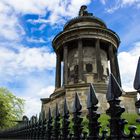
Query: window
(89,67)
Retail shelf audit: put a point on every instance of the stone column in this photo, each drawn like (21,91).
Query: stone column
(58,71)
(65,59)
(112,60)
(117,68)
(80,57)
(98,60)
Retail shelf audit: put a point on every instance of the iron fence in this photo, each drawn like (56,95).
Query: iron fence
(58,127)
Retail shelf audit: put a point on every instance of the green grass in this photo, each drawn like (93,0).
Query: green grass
(131,118)
(104,120)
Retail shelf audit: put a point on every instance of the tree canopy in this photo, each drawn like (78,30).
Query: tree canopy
(11,108)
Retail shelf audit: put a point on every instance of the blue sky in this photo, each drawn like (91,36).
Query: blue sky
(27,27)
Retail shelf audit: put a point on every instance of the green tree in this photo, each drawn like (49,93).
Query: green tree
(11,108)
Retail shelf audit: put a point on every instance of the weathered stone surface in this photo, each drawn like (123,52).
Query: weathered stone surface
(128,101)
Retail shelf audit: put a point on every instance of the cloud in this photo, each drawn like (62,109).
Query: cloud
(10,28)
(28,73)
(46,91)
(61,11)
(25,7)
(25,60)
(32,106)
(122,3)
(129,2)
(33,102)
(128,63)
(103,1)
(34,40)
(12,10)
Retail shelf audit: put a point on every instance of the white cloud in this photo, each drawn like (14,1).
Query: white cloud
(34,40)
(128,63)
(103,1)
(11,10)
(25,60)
(112,9)
(27,6)
(61,9)
(129,2)
(32,106)
(29,71)
(10,29)
(46,91)
(122,3)
(36,58)
(33,103)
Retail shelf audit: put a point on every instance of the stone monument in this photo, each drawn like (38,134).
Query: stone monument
(86,53)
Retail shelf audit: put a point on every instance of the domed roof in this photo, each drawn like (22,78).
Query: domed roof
(85,26)
(84,19)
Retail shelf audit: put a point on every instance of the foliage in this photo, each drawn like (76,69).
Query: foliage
(11,108)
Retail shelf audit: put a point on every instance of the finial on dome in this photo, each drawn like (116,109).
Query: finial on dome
(83,11)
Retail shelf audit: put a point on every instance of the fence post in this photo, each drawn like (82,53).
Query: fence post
(49,127)
(37,128)
(56,123)
(115,110)
(65,123)
(137,83)
(33,121)
(42,122)
(93,115)
(77,120)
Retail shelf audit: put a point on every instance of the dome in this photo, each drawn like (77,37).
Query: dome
(85,26)
(83,21)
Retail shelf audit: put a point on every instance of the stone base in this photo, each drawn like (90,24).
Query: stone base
(127,100)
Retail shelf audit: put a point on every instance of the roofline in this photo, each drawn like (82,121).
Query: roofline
(84,17)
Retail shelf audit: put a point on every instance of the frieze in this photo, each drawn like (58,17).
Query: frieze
(103,34)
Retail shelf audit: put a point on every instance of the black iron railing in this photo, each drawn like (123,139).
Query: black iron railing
(58,127)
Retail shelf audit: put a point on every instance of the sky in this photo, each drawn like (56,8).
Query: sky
(27,27)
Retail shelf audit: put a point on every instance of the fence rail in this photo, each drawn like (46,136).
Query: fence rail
(58,127)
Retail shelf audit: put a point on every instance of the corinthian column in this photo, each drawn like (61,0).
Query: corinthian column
(80,56)
(58,71)
(65,57)
(98,60)
(112,60)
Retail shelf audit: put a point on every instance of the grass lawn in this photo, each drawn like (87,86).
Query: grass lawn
(131,118)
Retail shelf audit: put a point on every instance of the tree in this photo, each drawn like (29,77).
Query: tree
(11,108)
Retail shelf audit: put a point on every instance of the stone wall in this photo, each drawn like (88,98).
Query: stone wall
(128,101)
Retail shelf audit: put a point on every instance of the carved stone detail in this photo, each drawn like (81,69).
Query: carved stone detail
(86,32)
